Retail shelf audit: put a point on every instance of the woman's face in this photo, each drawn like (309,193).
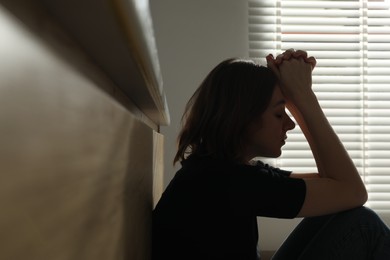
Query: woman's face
(266,135)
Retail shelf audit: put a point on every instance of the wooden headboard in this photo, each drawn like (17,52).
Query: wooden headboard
(79,139)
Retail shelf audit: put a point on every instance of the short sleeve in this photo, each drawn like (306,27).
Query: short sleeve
(261,165)
(265,191)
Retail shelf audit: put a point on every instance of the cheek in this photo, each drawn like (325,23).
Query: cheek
(254,127)
(254,134)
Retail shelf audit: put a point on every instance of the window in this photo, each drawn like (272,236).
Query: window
(351,42)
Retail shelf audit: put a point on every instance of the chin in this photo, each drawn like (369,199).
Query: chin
(276,153)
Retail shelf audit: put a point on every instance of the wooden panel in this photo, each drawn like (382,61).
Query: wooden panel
(118,35)
(76,167)
(158,167)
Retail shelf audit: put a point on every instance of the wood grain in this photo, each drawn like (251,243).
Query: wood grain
(76,167)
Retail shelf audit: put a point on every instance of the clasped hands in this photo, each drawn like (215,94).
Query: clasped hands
(294,72)
(289,54)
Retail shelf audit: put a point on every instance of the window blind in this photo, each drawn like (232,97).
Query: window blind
(351,42)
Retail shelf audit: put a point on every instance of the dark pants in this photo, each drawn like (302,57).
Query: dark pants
(354,234)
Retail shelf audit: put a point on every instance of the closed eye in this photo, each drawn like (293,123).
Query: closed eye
(281,114)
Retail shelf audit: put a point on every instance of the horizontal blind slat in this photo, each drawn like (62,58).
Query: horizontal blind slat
(351,79)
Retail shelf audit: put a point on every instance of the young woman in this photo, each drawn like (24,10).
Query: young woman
(238,113)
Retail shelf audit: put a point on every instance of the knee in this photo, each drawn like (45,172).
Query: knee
(364,213)
(360,213)
(366,217)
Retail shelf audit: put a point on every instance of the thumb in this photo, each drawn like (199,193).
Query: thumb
(312,61)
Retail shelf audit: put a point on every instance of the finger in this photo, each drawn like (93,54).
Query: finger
(270,57)
(279,59)
(303,54)
(300,54)
(287,55)
(290,50)
(312,61)
(271,63)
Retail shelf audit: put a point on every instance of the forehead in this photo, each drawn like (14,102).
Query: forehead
(277,97)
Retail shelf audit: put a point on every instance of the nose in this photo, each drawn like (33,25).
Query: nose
(289,124)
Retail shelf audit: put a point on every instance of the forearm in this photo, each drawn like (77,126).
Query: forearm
(339,186)
(332,159)
(302,124)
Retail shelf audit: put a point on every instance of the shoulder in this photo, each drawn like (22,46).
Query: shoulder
(271,169)
(204,165)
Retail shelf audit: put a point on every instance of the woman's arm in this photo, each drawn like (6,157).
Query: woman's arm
(304,175)
(340,186)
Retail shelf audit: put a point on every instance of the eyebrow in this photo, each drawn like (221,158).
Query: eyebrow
(280,102)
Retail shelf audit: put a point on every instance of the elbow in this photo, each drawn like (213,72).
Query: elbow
(362,196)
(365,196)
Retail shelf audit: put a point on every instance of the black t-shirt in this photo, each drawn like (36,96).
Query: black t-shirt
(209,209)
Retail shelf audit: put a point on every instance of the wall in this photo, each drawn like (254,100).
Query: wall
(192,37)
(76,161)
